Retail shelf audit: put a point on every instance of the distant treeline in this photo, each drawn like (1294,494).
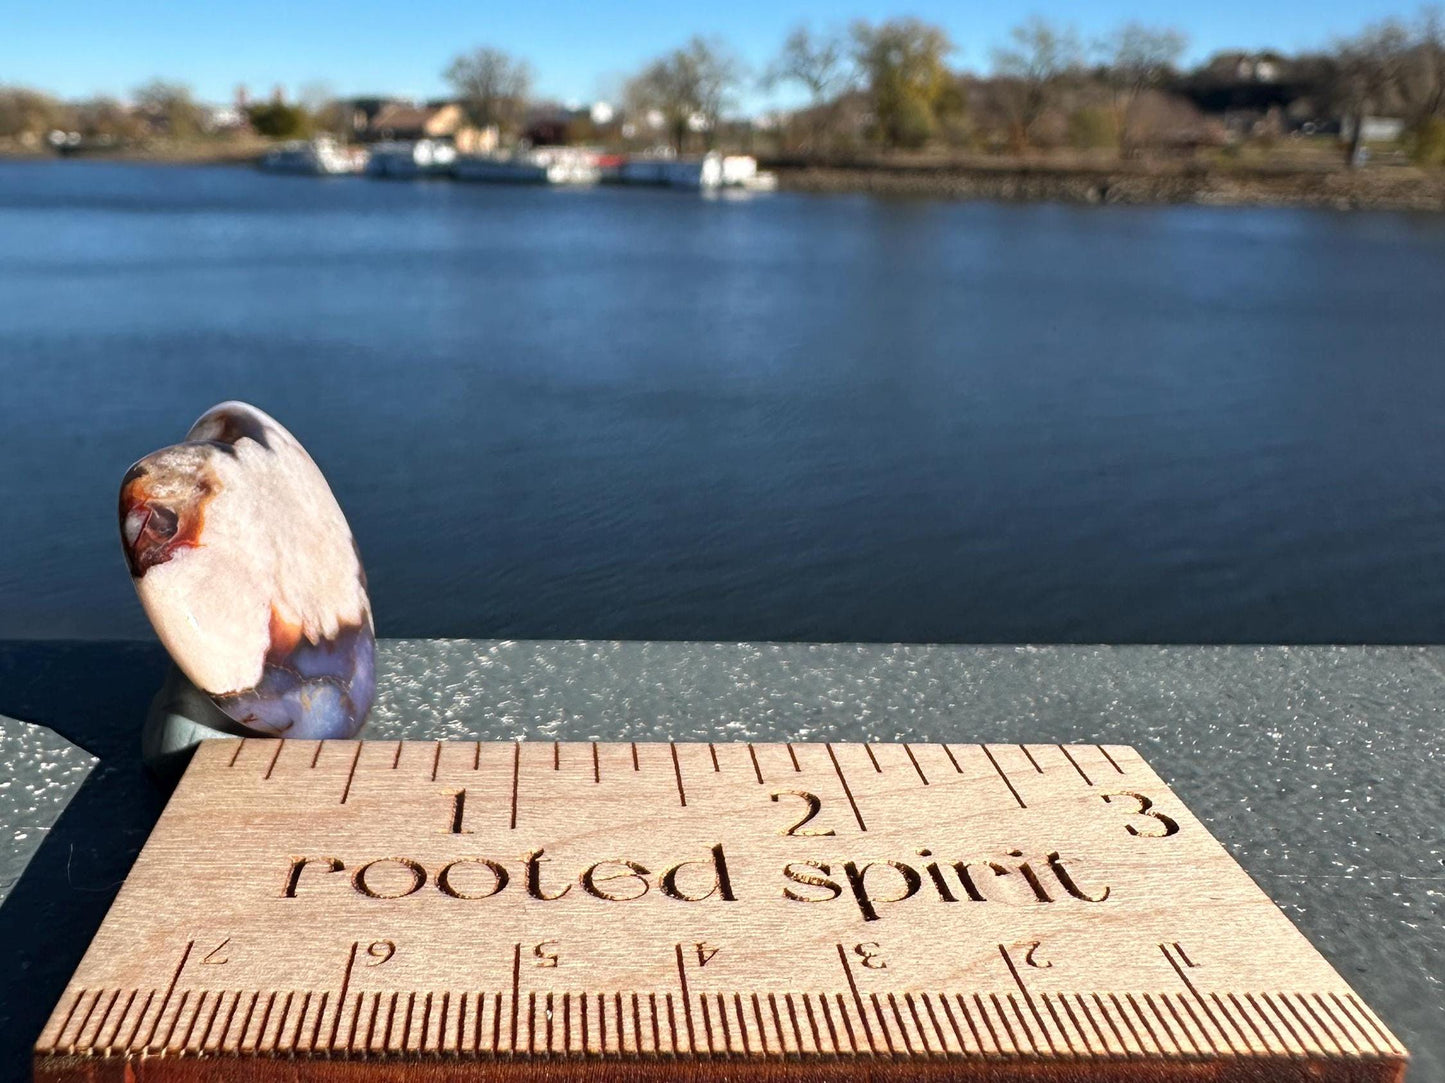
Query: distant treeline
(870,87)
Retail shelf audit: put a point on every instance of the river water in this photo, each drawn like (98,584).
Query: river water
(649,414)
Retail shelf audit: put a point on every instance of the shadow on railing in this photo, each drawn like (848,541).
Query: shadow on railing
(94,695)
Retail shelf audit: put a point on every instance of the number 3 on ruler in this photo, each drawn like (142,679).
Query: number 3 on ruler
(1146,808)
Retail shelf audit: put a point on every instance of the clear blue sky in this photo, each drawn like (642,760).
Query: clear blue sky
(578,47)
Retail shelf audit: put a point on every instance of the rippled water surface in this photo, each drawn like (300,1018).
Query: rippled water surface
(648,414)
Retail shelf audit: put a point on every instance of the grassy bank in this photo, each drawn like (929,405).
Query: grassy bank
(1276,180)
(1386,187)
(160,151)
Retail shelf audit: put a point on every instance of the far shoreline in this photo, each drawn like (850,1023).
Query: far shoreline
(1124,183)
(1395,188)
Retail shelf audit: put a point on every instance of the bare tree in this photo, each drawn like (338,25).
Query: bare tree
(1367,74)
(820,64)
(719,74)
(1138,58)
(690,87)
(493,86)
(909,84)
(27,115)
(322,109)
(1422,68)
(169,108)
(106,120)
(316,96)
(1040,58)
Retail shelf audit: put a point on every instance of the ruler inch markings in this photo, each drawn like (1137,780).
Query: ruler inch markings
(1028,997)
(341,996)
(686,1002)
(1075,765)
(1353,1026)
(757,768)
(857,1000)
(351,775)
(914,760)
(1058,1023)
(677,773)
(1112,762)
(280,744)
(516,779)
(170,989)
(1038,770)
(847,790)
(101,1020)
(761,907)
(516,997)
(1006,780)
(74,1043)
(1194,992)
(64,1024)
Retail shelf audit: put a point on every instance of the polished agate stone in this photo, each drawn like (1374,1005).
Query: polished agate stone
(245,566)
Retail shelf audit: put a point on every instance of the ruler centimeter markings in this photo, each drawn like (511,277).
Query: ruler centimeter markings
(618,911)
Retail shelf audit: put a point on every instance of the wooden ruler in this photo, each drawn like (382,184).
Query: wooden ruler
(348,910)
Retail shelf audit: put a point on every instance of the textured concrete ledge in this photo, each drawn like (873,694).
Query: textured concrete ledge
(1320,768)
(39,773)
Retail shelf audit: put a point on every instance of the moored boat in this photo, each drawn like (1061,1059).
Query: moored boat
(419,158)
(319,157)
(710,172)
(542,165)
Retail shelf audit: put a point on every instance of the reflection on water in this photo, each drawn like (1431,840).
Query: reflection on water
(644,414)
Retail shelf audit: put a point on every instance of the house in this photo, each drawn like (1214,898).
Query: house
(360,111)
(1258,93)
(376,120)
(1373,129)
(1240,67)
(551,124)
(224,118)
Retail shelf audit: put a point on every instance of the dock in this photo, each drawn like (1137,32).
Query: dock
(562,166)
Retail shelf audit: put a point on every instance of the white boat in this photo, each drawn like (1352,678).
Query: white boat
(319,157)
(740,171)
(403,160)
(543,165)
(710,172)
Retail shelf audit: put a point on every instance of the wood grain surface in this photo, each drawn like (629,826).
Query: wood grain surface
(422,910)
